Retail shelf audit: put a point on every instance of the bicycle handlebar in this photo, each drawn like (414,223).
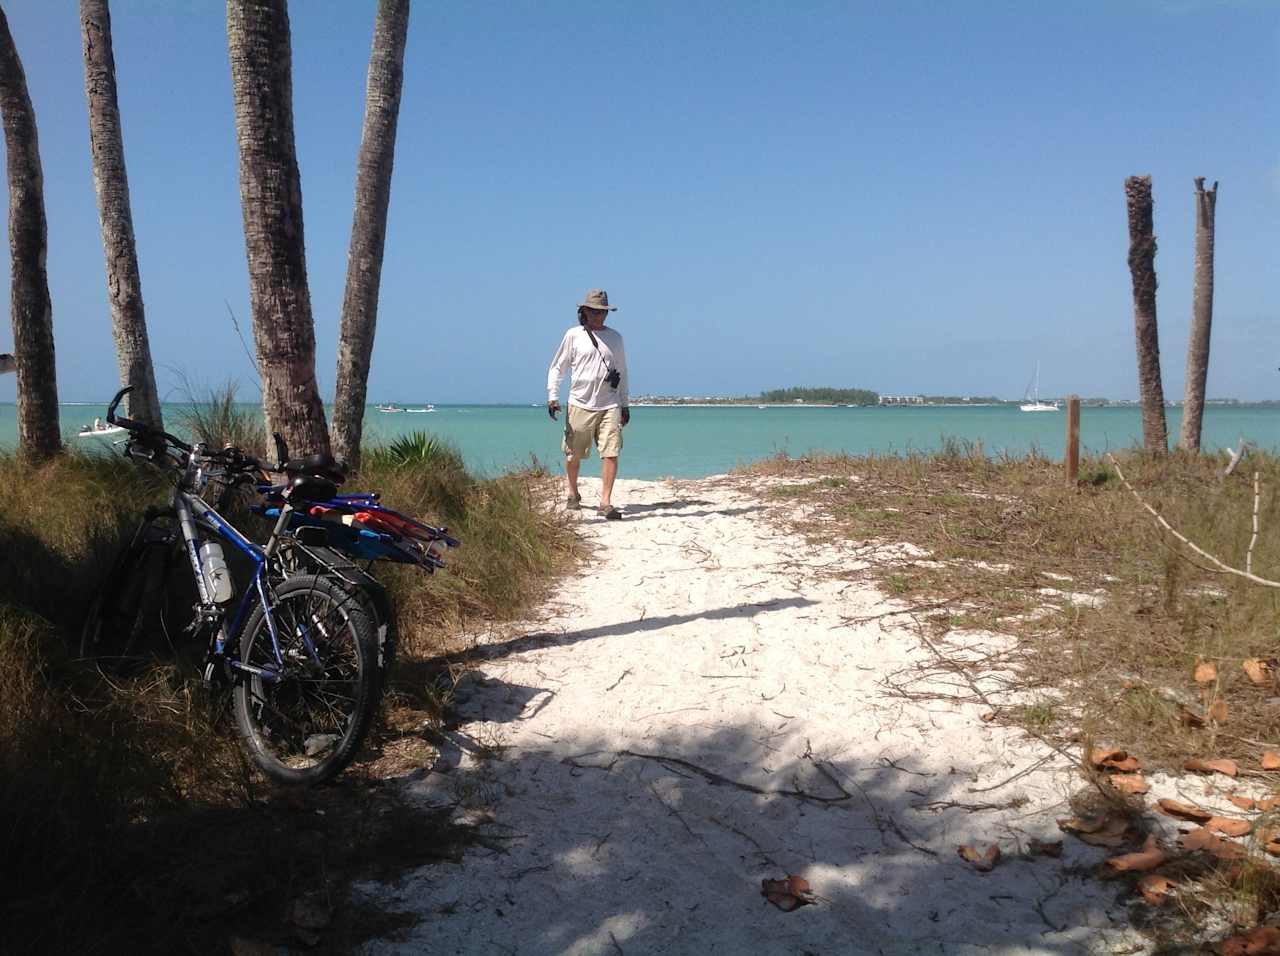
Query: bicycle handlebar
(144,431)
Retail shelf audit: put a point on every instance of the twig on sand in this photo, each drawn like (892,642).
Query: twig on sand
(882,823)
(676,813)
(1033,766)
(1221,565)
(761,851)
(715,778)
(981,694)
(892,764)
(618,681)
(937,806)
(932,606)
(616,945)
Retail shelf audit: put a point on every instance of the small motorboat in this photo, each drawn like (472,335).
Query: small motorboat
(418,411)
(393,407)
(99,429)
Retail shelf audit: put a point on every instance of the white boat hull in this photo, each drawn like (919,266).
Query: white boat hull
(1039,407)
(101,432)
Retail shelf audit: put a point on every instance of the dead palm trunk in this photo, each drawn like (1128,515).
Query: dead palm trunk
(1142,267)
(111,182)
(369,226)
(271,201)
(1201,319)
(32,310)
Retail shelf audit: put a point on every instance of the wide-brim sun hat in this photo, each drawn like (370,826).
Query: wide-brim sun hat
(597,299)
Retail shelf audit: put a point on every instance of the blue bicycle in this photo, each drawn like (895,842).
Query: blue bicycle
(299,651)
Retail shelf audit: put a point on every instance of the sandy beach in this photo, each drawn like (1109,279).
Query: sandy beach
(712,702)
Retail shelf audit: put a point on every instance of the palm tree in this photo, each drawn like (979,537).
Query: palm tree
(271,201)
(1142,267)
(1201,318)
(369,225)
(32,310)
(111,182)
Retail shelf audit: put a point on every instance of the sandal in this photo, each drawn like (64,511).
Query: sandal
(609,513)
(573,502)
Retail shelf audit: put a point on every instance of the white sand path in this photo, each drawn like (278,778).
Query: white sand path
(701,632)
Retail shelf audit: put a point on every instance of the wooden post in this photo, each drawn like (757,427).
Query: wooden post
(1073,439)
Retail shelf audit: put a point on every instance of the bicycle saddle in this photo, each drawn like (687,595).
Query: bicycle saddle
(321,466)
(311,488)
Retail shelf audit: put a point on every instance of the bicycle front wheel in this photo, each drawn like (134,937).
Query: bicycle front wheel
(126,607)
(305,723)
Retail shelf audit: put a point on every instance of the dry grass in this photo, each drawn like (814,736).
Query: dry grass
(1104,606)
(1109,616)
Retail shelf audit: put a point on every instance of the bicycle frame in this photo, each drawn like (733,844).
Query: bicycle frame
(194,512)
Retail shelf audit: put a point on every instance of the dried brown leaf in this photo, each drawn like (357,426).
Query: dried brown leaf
(1271,760)
(1229,826)
(1202,839)
(982,862)
(1148,858)
(1244,803)
(1218,711)
(1155,888)
(1108,759)
(1098,829)
(1206,672)
(1221,765)
(1183,811)
(1134,783)
(1257,670)
(1259,941)
(787,894)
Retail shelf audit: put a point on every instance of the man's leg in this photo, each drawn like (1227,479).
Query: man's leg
(572,464)
(608,472)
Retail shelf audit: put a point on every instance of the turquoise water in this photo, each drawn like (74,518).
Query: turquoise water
(689,442)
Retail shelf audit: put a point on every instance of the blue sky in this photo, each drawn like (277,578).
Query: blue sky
(927,197)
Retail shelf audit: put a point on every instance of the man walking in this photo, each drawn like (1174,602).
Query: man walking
(598,404)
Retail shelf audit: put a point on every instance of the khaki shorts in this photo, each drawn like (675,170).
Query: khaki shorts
(582,425)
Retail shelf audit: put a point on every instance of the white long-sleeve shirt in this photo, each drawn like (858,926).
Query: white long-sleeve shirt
(588,368)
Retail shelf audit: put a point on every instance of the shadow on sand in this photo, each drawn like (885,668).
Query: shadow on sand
(659,844)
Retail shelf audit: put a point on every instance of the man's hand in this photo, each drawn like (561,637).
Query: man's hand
(553,409)
(626,416)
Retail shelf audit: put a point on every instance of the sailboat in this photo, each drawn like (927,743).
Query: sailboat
(1035,405)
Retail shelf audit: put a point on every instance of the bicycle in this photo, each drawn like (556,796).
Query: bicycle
(330,537)
(297,651)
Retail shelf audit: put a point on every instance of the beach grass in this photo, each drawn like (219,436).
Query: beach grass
(1119,634)
(132,820)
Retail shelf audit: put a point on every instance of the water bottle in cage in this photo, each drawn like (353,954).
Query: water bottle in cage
(217,578)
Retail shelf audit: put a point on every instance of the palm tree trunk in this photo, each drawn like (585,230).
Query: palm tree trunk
(369,226)
(271,201)
(111,182)
(1201,318)
(1142,267)
(32,310)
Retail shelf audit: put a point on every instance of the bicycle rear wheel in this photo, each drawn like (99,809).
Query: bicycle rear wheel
(362,587)
(305,726)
